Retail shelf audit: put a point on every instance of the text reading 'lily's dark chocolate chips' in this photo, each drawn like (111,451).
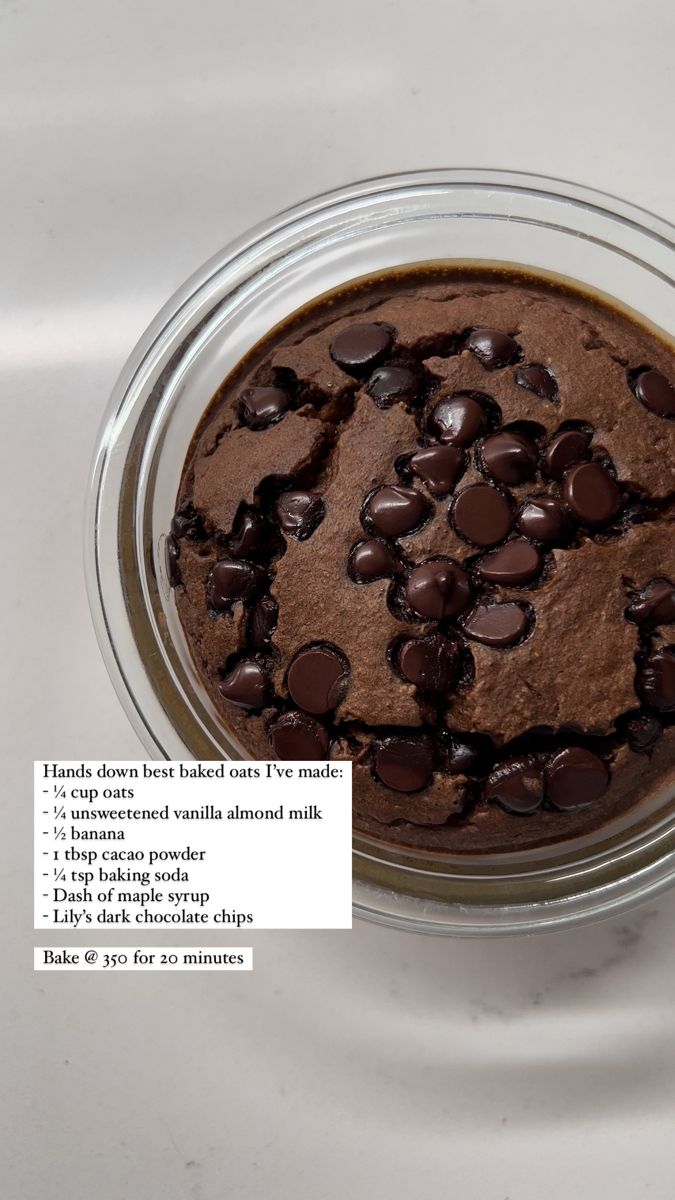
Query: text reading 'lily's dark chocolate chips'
(427,526)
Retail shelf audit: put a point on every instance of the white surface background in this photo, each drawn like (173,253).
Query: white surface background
(137,138)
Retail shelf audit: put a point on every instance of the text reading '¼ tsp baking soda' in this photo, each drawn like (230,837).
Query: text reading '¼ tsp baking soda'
(185,845)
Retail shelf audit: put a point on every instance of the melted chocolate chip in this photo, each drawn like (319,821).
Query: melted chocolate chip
(591,494)
(260,407)
(233,579)
(517,785)
(262,622)
(509,457)
(544,519)
(468,754)
(439,467)
(253,536)
(538,379)
(404,762)
(655,605)
(188,523)
(359,348)
(371,560)
(394,510)
(656,392)
(575,777)
(493,348)
(566,448)
(297,735)
(172,564)
(481,514)
(497,625)
(299,513)
(394,384)
(438,589)
(246,685)
(431,663)
(656,680)
(458,420)
(516,563)
(641,731)
(317,679)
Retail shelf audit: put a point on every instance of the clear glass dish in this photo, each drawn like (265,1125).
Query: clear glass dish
(606,245)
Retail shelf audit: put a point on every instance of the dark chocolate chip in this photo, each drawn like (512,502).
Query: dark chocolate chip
(656,392)
(591,494)
(481,514)
(371,560)
(188,523)
(392,384)
(575,777)
(234,579)
(566,448)
(297,735)
(252,537)
(439,467)
(172,564)
(641,731)
(468,754)
(655,605)
(247,685)
(262,622)
(359,348)
(431,663)
(509,457)
(498,625)
(458,420)
(517,785)
(317,679)
(493,348)
(438,589)
(544,519)
(656,680)
(299,513)
(538,379)
(260,407)
(516,563)
(404,762)
(394,510)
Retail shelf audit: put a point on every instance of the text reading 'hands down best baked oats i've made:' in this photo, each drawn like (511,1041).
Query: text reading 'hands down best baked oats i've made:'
(183,845)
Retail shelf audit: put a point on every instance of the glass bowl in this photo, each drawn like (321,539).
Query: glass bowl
(453,216)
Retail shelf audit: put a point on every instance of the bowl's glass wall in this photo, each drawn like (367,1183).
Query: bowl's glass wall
(200,336)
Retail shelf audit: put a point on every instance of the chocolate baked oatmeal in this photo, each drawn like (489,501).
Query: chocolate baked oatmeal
(428,525)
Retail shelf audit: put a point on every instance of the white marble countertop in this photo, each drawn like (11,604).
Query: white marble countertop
(137,139)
